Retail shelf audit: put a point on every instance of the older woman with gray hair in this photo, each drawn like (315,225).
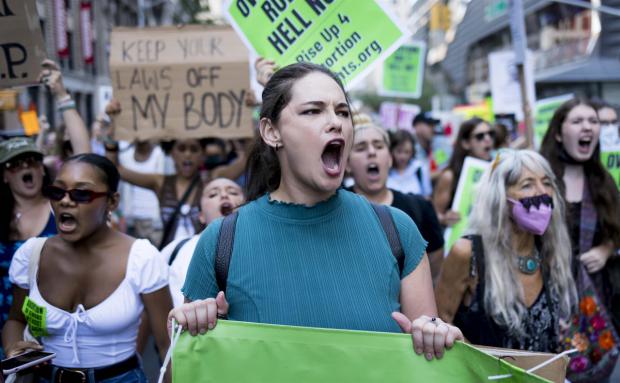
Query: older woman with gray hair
(509,283)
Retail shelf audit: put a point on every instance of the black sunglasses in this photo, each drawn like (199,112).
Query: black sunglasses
(77,195)
(480,136)
(22,162)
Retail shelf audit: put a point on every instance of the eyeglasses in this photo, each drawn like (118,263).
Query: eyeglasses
(77,195)
(480,136)
(24,162)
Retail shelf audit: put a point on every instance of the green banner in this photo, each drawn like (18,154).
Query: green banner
(611,162)
(464,198)
(347,37)
(403,71)
(249,352)
(543,114)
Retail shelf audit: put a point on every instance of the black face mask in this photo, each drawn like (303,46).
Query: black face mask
(212,162)
(537,200)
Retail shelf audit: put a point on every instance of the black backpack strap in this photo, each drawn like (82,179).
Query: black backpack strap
(173,218)
(387,222)
(224,249)
(476,266)
(178,247)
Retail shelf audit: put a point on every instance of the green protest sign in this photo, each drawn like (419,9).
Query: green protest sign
(611,161)
(543,114)
(464,198)
(347,37)
(403,71)
(250,352)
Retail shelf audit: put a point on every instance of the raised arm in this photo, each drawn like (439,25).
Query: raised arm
(75,128)
(153,181)
(236,168)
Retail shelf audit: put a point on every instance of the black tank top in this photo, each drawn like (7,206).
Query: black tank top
(540,326)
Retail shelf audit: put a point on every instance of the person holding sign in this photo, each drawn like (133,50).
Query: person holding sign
(179,194)
(476,139)
(572,147)
(306,252)
(509,283)
(369,164)
(83,291)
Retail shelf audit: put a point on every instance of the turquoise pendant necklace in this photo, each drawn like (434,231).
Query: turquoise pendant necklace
(529,264)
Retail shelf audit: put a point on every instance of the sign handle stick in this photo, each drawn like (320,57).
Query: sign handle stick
(527,111)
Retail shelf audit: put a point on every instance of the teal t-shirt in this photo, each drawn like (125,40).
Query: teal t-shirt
(329,265)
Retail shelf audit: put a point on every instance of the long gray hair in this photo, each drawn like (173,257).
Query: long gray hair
(491,218)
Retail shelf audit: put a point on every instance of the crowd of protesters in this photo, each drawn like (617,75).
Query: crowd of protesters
(332,221)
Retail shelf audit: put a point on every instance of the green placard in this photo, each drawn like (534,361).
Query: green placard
(347,37)
(611,162)
(441,157)
(464,198)
(403,72)
(36,317)
(543,114)
(249,352)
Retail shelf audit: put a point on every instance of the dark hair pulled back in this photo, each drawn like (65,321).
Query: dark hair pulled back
(106,167)
(263,168)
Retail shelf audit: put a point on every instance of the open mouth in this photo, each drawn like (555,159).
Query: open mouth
(187,165)
(226,208)
(66,223)
(332,157)
(373,170)
(585,143)
(28,179)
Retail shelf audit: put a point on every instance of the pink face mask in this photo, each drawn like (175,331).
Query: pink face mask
(533,214)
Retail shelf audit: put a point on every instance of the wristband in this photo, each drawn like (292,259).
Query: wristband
(64,98)
(65,105)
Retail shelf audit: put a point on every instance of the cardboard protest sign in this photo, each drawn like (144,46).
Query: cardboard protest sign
(553,370)
(545,108)
(180,82)
(610,157)
(347,37)
(251,352)
(403,71)
(464,198)
(21,43)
